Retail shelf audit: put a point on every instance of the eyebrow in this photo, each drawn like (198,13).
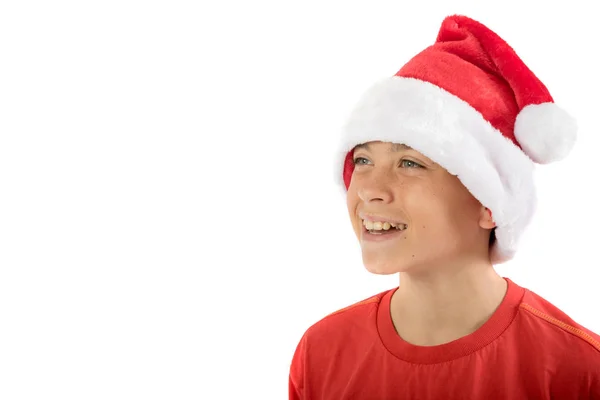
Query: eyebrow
(395,147)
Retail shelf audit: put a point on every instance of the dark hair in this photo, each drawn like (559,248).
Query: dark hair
(492,236)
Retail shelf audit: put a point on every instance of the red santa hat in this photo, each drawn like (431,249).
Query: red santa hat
(469,103)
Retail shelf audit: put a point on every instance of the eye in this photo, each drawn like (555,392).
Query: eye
(410,164)
(357,161)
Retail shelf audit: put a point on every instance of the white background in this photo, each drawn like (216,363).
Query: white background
(169,223)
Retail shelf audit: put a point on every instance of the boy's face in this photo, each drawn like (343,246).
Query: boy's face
(444,222)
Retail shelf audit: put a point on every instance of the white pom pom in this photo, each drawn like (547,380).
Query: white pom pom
(545,132)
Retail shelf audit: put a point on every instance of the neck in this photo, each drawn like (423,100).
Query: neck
(436,308)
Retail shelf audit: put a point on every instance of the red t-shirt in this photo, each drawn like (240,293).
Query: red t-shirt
(528,349)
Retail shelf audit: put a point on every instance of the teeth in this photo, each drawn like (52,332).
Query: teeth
(378,226)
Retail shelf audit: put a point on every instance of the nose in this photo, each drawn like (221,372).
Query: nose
(377,187)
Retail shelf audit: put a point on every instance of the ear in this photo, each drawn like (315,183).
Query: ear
(486,220)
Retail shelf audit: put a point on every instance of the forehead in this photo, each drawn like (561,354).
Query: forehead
(392,147)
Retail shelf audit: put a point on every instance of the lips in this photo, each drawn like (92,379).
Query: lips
(380,218)
(380,236)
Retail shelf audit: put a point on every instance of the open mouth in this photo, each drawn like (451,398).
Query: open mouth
(385,228)
(383,232)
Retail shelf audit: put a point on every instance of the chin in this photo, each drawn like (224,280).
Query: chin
(385,267)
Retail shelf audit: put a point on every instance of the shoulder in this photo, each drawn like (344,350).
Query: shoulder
(353,320)
(554,321)
(326,340)
(348,319)
(574,348)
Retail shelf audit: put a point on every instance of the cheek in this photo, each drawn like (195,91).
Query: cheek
(450,210)
(436,210)
(352,204)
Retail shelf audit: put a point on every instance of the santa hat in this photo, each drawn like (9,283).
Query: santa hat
(469,103)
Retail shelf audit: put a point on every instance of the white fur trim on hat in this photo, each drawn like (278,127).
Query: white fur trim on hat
(546,132)
(452,133)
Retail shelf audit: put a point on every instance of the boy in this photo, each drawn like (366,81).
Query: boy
(437,163)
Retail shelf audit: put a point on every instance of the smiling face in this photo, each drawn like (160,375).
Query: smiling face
(438,221)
